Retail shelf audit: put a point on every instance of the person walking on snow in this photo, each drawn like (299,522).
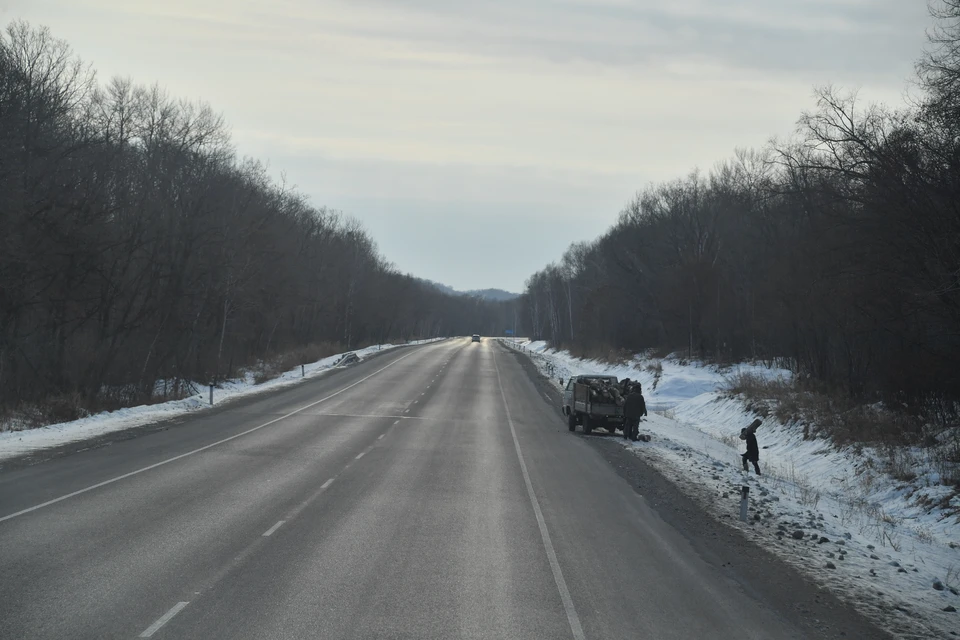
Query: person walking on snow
(753,451)
(634,408)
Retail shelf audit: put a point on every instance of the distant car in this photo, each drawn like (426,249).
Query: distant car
(476,337)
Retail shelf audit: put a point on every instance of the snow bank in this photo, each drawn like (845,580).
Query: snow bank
(832,514)
(17,443)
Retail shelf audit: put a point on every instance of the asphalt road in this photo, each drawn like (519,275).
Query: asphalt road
(431,492)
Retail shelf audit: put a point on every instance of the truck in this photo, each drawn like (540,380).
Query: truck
(593,401)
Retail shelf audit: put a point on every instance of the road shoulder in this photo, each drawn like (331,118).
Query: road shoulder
(759,572)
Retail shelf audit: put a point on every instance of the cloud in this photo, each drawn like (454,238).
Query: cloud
(426,114)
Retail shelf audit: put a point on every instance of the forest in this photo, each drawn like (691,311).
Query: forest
(138,251)
(835,251)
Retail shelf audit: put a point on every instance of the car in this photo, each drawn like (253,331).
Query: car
(476,337)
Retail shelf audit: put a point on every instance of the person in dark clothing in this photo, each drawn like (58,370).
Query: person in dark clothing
(753,450)
(634,408)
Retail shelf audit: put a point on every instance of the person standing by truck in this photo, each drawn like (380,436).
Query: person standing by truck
(634,408)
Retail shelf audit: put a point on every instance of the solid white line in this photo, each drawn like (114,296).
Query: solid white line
(273,528)
(203,448)
(164,619)
(327,483)
(360,455)
(571,611)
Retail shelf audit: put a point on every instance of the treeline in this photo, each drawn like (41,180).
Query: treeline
(135,246)
(838,250)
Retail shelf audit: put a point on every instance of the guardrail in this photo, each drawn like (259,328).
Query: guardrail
(543,363)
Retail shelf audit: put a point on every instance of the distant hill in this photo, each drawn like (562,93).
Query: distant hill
(497,295)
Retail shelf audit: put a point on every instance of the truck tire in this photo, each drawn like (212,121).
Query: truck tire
(587,425)
(571,421)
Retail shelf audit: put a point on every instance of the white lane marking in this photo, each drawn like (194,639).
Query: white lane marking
(360,455)
(164,619)
(203,448)
(406,410)
(572,617)
(380,437)
(270,531)
(327,483)
(397,422)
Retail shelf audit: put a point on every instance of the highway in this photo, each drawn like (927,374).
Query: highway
(429,492)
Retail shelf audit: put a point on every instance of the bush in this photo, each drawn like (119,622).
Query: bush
(825,412)
(280,363)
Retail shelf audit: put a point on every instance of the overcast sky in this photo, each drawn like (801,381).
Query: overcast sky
(476,140)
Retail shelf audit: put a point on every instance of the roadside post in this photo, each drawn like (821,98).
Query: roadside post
(303,372)
(744,493)
(211,393)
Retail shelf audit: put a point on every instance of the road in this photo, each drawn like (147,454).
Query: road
(431,492)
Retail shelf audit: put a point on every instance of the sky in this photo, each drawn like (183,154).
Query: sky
(477,140)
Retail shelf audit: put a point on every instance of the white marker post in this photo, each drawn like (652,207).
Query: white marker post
(744,492)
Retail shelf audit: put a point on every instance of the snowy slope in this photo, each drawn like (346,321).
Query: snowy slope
(17,443)
(830,513)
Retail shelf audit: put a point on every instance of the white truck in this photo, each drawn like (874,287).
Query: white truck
(583,404)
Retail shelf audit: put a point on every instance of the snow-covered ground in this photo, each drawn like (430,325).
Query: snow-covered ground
(870,538)
(17,443)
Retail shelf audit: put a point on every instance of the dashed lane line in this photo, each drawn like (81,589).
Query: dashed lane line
(198,450)
(164,619)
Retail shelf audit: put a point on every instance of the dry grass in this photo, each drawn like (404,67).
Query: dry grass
(66,407)
(656,368)
(280,363)
(604,354)
(826,413)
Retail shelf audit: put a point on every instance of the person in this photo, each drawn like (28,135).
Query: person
(753,450)
(634,408)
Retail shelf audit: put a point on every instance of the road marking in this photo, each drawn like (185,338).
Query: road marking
(354,415)
(203,448)
(360,455)
(572,617)
(273,528)
(164,619)
(380,437)
(397,422)
(327,483)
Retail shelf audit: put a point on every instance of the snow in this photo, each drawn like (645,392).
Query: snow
(894,545)
(18,443)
